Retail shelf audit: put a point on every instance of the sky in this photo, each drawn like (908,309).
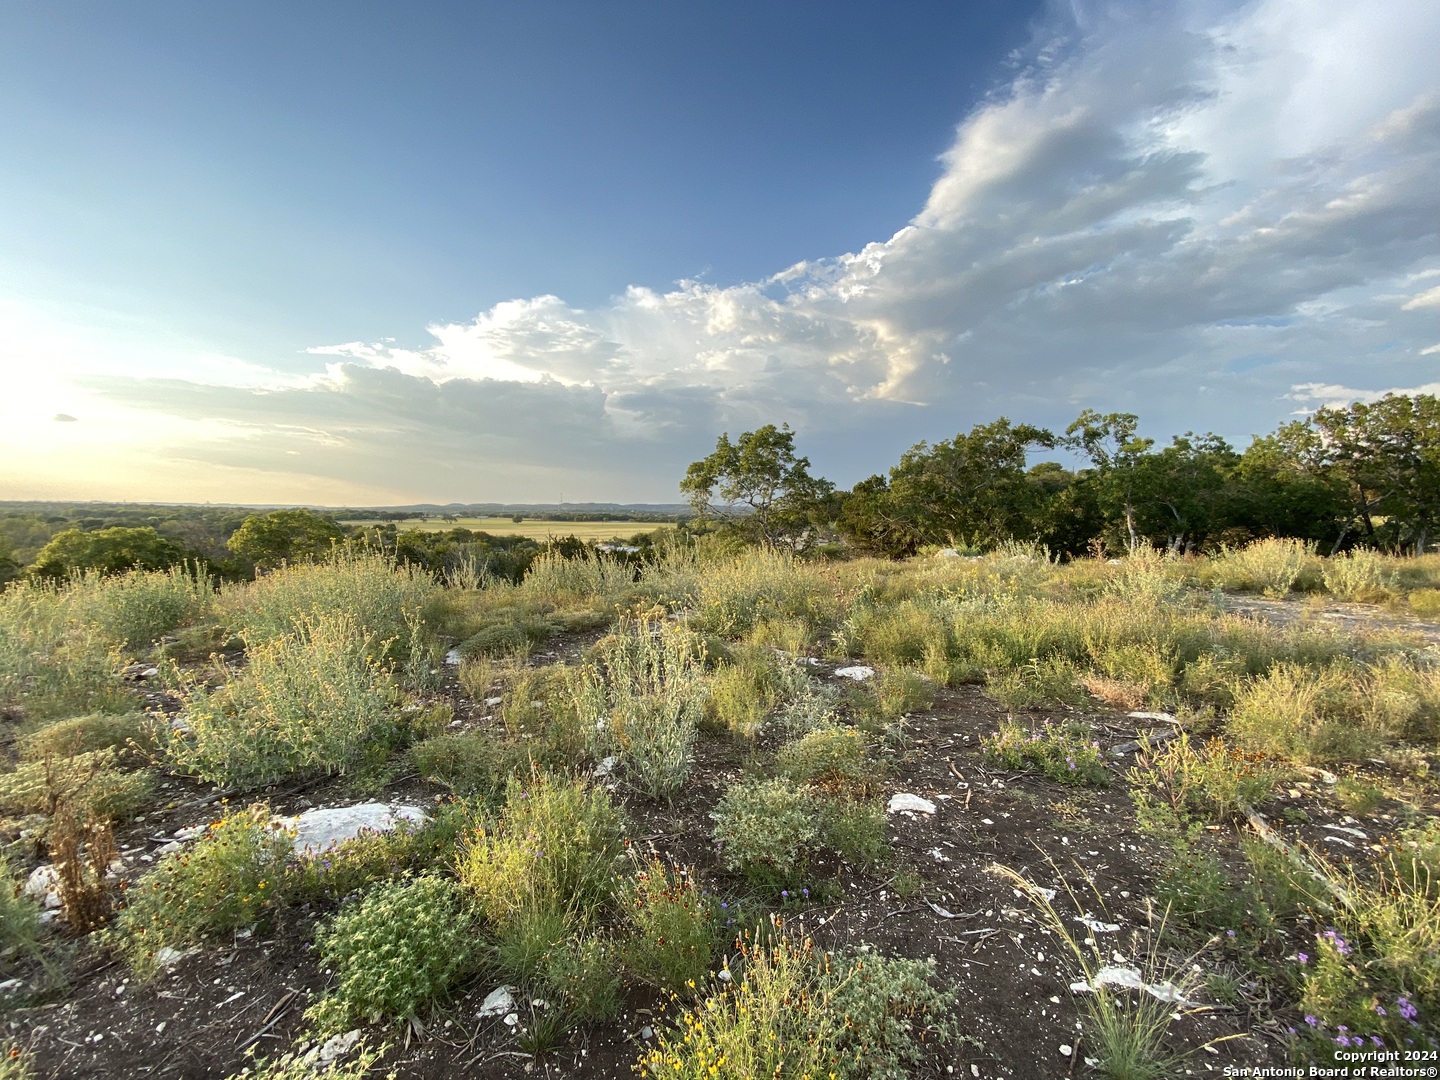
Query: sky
(365,254)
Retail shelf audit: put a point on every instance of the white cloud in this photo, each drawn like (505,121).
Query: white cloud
(1203,215)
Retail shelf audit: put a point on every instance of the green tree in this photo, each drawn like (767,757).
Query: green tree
(110,551)
(758,486)
(1284,488)
(1184,494)
(284,536)
(1115,451)
(972,486)
(1388,453)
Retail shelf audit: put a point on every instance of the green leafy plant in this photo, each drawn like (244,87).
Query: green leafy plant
(395,953)
(766,830)
(1065,752)
(225,881)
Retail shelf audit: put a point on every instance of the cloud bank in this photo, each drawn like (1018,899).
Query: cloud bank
(1212,216)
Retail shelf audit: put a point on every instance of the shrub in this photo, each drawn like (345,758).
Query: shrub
(673,931)
(766,830)
(88,783)
(889,1007)
(132,610)
(774,1023)
(552,848)
(833,759)
(1064,752)
(57,664)
(312,700)
(559,580)
(364,589)
(224,882)
(643,696)
(395,953)
(760,585)
(1359,575)
(747,686)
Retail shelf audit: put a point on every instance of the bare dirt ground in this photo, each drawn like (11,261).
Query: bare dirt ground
(1012,973)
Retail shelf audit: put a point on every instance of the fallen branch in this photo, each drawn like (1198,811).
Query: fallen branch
(1267,833)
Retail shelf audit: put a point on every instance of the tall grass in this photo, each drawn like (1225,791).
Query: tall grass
(313,699)
(382,599)
(643,695)
(1273,567)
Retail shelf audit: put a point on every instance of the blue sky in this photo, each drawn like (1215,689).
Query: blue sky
(365,253)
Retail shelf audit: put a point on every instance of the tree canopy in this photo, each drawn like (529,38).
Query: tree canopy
(758,486)
(267,540)
(110,551)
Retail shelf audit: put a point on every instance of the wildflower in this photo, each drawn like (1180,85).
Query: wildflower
(1302,957)
(1380,1011)
(1406,1007)
(1312,1021)
(1377,1040)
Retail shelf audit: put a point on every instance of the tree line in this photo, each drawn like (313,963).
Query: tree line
(1364,475)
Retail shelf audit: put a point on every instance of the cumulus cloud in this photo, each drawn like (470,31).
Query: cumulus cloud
(1203,215)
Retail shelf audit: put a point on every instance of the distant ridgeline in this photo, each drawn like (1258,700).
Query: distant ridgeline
(1365,475)
(51,539)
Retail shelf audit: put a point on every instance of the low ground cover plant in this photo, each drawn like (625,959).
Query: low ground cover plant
(225,881)
(766,830)
(1067,752)
(395,952)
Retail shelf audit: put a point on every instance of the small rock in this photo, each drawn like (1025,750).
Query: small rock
(1066,1049)
(498,1001)
(167,957)
(334,1048)
(453,657)
(606,767)
(493,701)
(903,801)
(316,830)
(859,672)
(647,1033)
(43,885)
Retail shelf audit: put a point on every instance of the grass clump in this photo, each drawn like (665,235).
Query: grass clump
(359,1061)
(1067,752)
(312,700)
(91,785)
(642,695)
(20,926)
(468,762)
(1273,567)
(890,1008)
(673,927)
(395,953)
(87,734)
(1042,681)
(225,881)
(1209,782)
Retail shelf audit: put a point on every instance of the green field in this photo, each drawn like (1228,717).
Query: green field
(538,528)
